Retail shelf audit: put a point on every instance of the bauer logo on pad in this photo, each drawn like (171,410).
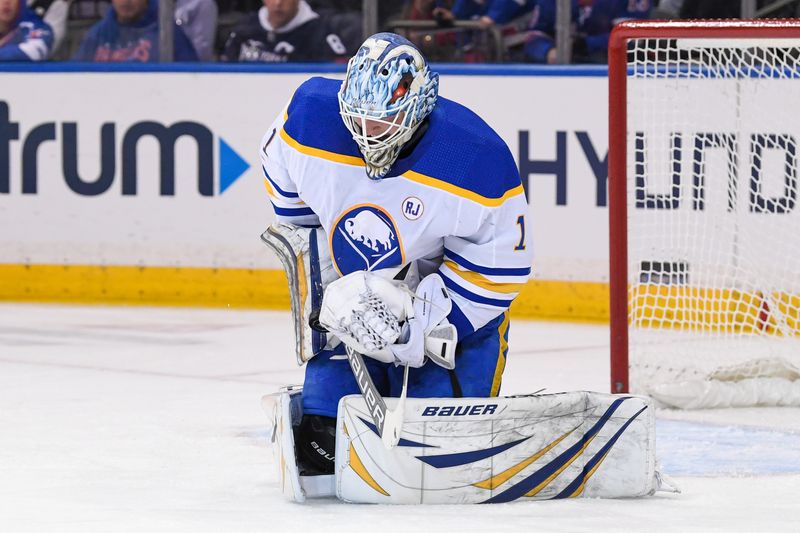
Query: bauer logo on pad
(459,410)
(365,238)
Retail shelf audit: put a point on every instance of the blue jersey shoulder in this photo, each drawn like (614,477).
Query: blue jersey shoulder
(314,121)
(459,148)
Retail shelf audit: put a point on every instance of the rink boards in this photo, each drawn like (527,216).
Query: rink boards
(143,184)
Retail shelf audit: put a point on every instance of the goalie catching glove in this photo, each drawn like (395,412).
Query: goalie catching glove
(384,320)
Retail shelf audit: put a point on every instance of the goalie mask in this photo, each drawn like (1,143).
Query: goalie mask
(387,93)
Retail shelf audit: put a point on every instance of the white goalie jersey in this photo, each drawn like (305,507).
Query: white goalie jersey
(454,204)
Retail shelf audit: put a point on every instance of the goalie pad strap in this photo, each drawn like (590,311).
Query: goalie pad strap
(456,385)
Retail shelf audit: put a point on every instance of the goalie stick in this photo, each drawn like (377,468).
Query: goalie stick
(439,346)
(389,422)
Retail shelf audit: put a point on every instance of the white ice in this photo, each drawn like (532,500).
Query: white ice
(148,420)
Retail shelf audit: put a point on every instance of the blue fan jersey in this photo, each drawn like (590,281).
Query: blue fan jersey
(592,18)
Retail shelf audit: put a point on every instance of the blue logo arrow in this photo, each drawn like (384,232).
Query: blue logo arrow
(231,166)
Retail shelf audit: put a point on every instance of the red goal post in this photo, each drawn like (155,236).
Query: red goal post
(649,47)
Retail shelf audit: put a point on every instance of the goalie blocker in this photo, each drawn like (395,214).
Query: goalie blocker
(479,450)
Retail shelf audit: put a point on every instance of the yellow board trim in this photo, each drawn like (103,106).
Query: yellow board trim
(483,282)
(497,480)
(563,301)
(359,468)
(134,285)
(246,289)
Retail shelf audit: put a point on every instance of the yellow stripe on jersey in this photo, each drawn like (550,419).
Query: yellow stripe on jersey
(482,282)
(410,175)
(501,356)
(458,191)
(322,154)
(269,188)
(272,194)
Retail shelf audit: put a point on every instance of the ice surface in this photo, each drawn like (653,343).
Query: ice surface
(139,419)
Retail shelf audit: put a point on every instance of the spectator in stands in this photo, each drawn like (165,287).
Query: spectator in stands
(486,12)
(438,10)
(387,9)
(710,9)
(24,36)
(321,6)
(198,19)
(289,30)
(435,44)
(88,9)
(592,21)
(55,14)
(420,9)
(511,16)
(129,32)
(668,9)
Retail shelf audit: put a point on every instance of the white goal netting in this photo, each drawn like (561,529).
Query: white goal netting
(713,221)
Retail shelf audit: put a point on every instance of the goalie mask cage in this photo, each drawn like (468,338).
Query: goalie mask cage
(704,125)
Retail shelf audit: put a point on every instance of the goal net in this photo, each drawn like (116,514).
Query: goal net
(705,226)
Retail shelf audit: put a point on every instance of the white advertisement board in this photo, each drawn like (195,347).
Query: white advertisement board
(162,168)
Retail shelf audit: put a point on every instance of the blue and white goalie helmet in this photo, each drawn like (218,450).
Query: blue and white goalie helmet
(387,93)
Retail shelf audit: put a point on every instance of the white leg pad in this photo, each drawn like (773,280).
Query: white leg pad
(284,410)
(493,450)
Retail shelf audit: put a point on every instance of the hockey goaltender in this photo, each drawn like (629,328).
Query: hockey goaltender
(401,224)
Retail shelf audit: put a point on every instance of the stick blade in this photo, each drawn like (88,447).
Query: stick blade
(393,422)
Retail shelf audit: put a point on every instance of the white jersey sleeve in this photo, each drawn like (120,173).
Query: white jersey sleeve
(485,270)
(282,190)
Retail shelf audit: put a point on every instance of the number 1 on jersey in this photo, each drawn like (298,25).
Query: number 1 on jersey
(521,222)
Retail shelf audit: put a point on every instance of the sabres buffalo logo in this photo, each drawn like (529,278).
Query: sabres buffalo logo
(365,238)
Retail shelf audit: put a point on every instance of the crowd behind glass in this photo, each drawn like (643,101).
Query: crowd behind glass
(272,31)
